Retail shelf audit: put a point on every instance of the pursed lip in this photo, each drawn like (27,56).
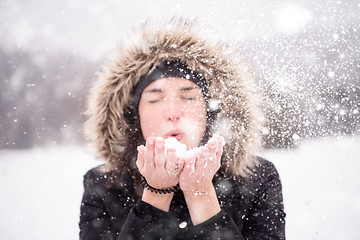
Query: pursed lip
(178,134)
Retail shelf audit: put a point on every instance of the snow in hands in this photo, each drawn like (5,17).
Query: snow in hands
(181,151)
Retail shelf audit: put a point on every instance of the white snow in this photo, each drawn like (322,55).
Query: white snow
(214,104)
(321,188)
(290,17)
(181,151)
(180,148)
(41,190)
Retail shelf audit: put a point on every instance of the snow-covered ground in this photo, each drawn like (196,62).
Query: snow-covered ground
(321,187)
(41,190)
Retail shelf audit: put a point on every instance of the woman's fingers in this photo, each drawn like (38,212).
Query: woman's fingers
(140,158)
(159,153)
(201,160)
(213,146)
(171,164)
(189,166)
(219,150)
(149,153)
(181,164)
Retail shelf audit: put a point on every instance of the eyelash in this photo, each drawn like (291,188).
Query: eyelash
(188,99)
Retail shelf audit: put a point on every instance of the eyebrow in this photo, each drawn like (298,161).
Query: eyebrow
(159,90)
(153,90)
(188,88)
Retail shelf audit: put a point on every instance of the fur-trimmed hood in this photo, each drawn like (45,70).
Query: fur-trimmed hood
(238,120)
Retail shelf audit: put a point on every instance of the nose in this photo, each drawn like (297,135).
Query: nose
(173,116)
(173,110)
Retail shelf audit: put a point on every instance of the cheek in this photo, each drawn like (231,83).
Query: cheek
(200,119)
(148,123)
(195,127)
(199,114)
(197,120)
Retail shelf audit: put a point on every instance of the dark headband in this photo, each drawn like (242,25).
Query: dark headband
(164,70)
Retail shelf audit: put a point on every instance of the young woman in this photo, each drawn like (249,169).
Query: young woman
(170,80)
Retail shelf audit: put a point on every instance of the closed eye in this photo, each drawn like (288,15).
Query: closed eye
(189,98)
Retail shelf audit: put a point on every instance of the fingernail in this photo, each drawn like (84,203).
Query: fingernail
(171,154)
(151,141)
(212,144)
(159,144)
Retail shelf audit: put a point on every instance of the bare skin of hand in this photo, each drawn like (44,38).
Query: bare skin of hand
(196,182)
(194,177)
(199,171)
(158,172)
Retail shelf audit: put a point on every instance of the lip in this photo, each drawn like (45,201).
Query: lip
(178,134)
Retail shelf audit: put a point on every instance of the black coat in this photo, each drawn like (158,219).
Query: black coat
(250,210)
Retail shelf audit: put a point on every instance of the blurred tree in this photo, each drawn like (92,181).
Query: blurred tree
(42,98)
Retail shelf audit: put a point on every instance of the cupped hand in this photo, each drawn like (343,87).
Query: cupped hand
(159,172)
(199,171)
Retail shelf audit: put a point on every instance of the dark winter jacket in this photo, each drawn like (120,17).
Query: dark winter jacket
(250,210)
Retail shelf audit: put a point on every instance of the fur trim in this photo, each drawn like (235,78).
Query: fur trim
(177,39)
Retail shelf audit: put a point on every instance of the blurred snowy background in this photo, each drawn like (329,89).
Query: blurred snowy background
(305,55)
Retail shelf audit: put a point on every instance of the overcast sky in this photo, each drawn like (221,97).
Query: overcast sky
(92,28)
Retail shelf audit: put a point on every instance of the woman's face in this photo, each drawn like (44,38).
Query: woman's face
(173,107)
